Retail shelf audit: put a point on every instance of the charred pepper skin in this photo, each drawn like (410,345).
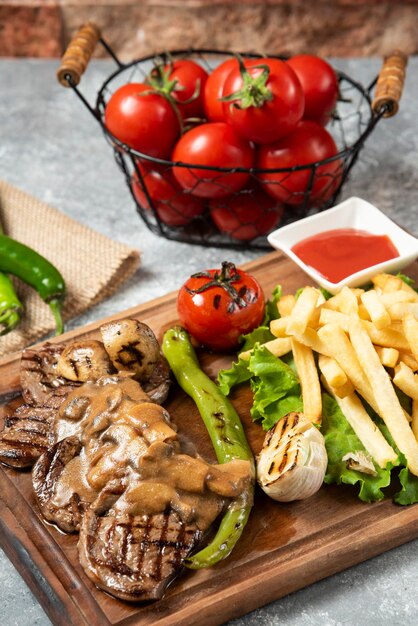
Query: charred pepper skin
(227,435)
(10,305)
(36,271)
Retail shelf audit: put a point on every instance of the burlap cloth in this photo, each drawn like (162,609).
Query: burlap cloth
(93,266)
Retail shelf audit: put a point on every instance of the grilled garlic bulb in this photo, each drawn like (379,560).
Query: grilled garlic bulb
(293,459)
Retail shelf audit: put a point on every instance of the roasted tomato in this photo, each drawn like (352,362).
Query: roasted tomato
(217,306)
(320,86)
(133,114)
(213,145)
(173,206)
(308,144)
(183,80)
(214,88)
(247,215)
(263,100)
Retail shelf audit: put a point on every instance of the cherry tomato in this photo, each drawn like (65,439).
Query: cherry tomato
(173,206)
(320,86)
(247,215)
(190,79)
(214,107)
(270,106)
(215,145)
(309,143)
(217,306)
(133,114)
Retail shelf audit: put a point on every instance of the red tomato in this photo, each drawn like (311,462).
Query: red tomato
(309,143)
(247,215)
(270,107)
(320,86)
(133,114)
(214,145)
(173,206)
(190,83)
(217,306)
(214,88)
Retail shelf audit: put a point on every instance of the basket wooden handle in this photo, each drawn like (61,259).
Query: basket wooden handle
(78,53)
(390,84)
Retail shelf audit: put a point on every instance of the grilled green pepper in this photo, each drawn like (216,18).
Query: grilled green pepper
(227,435)
(10,305)
(36,271)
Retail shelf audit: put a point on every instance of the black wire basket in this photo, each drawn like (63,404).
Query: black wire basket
(183,217)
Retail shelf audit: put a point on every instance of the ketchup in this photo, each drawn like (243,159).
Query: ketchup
(339,253)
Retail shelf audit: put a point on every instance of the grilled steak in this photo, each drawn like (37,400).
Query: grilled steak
(46,475)
(28,430)
(38,377)
(26,435)
(134,558)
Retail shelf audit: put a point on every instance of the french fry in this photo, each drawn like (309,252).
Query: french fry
(310,339)
(339,302)
(398,310)
(409,360)
(388,283)
(414,421)
(279,327)
(363,312)
(394,297)
(334,375)
(278,347)
(366,430)
(303,311)
(388,356)
(406,380)
(286,304)
(309,381)
(389,337)
(344,390)
(410,326)
(386,399)
(340,348)
(331,316)
(376,309)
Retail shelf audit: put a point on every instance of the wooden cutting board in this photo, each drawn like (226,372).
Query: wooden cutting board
(284,546)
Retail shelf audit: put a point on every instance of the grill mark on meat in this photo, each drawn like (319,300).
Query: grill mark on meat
(162,543)
(150,552)
(28,430)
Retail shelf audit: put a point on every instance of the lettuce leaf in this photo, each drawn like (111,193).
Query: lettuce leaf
(272,312)
(237,374)
(340,439)
(409,492)
(273,384)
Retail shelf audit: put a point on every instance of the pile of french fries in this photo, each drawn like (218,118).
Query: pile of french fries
(367,344)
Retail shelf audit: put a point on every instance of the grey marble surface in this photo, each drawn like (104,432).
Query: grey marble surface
(52,148)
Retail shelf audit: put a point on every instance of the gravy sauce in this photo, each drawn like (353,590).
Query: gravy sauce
(129,441)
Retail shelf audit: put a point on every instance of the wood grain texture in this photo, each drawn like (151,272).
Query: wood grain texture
(284,547)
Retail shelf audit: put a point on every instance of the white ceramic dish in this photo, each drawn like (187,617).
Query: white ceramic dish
(352,213)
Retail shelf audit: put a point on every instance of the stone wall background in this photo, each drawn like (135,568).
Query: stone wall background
(42,28)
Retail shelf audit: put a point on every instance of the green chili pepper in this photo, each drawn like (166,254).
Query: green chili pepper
(227,435)
(36,271)
(10,305)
